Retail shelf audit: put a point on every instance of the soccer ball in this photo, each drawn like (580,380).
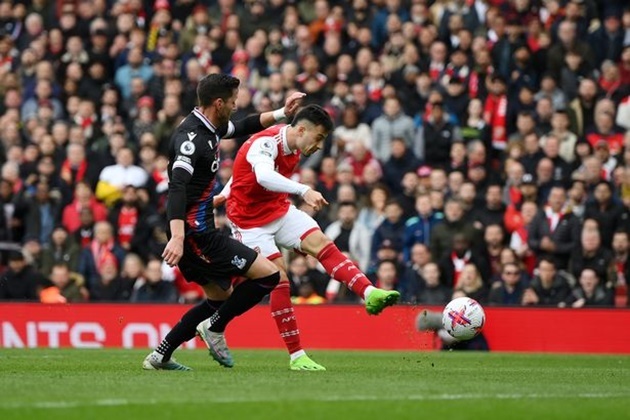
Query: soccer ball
(463,318)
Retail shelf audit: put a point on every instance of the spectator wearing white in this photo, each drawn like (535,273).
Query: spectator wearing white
(114,178)
(350,235)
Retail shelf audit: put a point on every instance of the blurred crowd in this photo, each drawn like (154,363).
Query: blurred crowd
(482,147)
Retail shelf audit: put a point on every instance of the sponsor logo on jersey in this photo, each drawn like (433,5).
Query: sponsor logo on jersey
(239,262)
(184,159)
(191,136)
(187,148)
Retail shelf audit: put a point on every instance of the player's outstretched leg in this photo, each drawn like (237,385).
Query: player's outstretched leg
(160,358)
(283,313)
(341,268)
(244,297)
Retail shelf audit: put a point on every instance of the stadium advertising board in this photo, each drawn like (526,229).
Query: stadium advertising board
(323,327)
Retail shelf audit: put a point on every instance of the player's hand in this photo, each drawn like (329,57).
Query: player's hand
(173,251)
(292,103)
(218,200)
(315,199)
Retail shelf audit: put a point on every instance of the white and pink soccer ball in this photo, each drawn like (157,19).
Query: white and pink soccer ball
(463,318)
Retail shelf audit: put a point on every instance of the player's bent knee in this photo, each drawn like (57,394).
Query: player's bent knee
(270,281)
(214,292)
(262,267)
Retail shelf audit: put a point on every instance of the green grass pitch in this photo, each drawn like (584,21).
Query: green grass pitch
(110,384)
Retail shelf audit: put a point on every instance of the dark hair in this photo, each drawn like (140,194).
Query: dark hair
(348,204)
(604,182)
(393,202)
(316,115)
(548,260)
(215,86)
(61,264)
(16,255)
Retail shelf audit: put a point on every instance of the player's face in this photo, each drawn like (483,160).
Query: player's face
(227,107)
(311,139)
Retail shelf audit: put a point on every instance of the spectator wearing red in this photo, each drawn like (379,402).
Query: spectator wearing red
(98,253)
(495,112)
(83,198)
(605,129)
(76,168)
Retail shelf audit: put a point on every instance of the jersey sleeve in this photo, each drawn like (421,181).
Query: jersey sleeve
(263,150)
(245,127)
(262,155)
(186,152)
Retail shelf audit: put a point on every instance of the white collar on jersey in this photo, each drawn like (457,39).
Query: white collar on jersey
(285,145)
(197,112)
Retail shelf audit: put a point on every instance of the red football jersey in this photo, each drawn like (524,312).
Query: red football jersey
(250,205)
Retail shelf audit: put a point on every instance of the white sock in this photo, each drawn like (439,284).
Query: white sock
(297,354)
(367,292)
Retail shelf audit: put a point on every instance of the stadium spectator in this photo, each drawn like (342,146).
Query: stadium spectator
(373,213)
(554,231)
(454,222)
(401,161)
(67,287)
(548,288)
(62,248)
(433,292)
(155,289)
(418,228)
(43,212)
(83,200)
(20,281)
(350,235)
(592,254)
(115,178)
(508,291)
(390,230)
(392,124)
(461,253)
(590,292)
(97,252)
(471,285)
(111,287)
(605,211)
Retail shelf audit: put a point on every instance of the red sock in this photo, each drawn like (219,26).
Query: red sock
(282,313)
(340,268)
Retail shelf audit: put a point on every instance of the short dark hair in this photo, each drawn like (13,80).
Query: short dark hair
(547,259)
(316,115)
(348,204)
(215,86)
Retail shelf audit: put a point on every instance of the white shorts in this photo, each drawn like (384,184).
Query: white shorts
(286,232)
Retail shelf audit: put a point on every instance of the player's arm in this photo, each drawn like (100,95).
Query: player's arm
(261,156)
(258,122)
(181,174)
(220,199)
